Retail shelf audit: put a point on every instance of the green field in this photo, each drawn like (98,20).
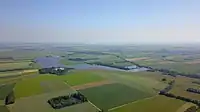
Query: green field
(32,86)
(153,81)
(182,84)
(112,95)
(14,65)
(81,77)
(154,104)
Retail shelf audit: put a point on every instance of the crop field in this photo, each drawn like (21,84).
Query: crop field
(153,81)
(38,103)
(182,84)
(32,86)
(81,77)
(112,95)
(9,74)
(153,104)
(15,65)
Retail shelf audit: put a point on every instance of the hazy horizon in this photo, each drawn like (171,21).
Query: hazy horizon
(100,21)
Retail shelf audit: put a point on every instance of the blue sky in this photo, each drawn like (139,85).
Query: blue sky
(100,21)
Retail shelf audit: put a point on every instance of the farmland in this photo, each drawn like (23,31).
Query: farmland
(112,89)
(151,105)
(81,77)
(117,94)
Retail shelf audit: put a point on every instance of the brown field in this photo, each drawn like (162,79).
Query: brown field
(138,59)
(93,84)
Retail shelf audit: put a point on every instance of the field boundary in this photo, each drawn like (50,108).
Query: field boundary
(185,107)
(92,84)
(131,103)
(88,100)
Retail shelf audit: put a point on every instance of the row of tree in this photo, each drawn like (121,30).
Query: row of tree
(197,102)
(193,90)
(82,59)
(109,65)
(63,101)
(168,88)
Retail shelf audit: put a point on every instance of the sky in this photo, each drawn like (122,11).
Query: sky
(100,21)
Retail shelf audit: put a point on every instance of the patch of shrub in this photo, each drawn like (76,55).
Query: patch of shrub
(10,99)
(63,101)
(54,70)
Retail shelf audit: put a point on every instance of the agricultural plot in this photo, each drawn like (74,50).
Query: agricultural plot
(39,103)
(9,74)
(15,65)
(153,104)
(182,84)
(153,81)
(32,86)
(53,85)
(112,95)
(81,77)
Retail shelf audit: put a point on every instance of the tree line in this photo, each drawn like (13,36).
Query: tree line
(197,102)
(193,90)
(109,65)
(168,88)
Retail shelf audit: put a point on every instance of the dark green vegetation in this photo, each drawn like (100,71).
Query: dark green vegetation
(10,98)
(64,101)
(112,95)
(54,70)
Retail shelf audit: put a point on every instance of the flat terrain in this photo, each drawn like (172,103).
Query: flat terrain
(14,65)
(37,85)
(112,95)
(3,108)
(92,84)
(81,77)
(154,104)
(38,103)
(182,84)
